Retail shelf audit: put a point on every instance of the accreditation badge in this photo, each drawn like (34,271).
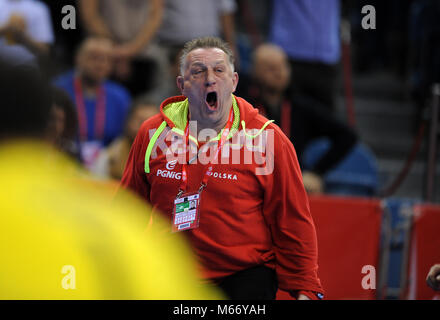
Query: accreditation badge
(89,152)
(186,213)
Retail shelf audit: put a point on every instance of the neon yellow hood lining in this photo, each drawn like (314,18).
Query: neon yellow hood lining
(177,112)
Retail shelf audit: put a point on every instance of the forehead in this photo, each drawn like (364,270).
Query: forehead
(206,55)
(271,57)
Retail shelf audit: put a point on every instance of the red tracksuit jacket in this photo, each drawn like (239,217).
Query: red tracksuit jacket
(247,219)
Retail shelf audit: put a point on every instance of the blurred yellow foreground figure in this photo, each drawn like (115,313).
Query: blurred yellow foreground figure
(63,237)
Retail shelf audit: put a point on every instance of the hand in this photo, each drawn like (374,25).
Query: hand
(312,182)
(12,35)
(15,29)
(433,278)
(17,21)
(303,297)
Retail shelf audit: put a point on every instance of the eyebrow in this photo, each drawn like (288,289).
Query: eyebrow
(197,64)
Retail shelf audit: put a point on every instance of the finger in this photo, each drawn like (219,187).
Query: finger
(430,283)
(433,282)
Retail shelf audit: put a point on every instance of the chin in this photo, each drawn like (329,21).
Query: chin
(212,115)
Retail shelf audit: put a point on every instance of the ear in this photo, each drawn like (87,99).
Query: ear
(180,82)
(234,81)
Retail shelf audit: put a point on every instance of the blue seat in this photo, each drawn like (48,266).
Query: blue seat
(356,174)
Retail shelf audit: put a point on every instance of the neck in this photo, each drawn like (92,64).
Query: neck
(203,124)
(89,85)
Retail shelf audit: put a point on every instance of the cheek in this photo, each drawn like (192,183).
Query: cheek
(285,77)
(192,87)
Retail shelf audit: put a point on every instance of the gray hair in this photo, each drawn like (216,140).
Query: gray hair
(206,42)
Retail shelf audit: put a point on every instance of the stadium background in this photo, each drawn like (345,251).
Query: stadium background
(386,93)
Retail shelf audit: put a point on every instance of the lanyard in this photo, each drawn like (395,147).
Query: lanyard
(82,117)
(208,171)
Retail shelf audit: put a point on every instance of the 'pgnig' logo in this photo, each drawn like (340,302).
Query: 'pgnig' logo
(171,165)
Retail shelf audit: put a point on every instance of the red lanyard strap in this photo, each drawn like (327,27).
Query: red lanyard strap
(82,116)
(208,171)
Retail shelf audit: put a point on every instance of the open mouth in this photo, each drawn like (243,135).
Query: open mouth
(211,100)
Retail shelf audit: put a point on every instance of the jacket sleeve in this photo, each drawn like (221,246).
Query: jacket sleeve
(134,177)
(286,209)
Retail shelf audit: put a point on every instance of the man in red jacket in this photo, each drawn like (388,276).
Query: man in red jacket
(229,179)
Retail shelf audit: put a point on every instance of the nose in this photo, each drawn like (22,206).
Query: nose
(210,77)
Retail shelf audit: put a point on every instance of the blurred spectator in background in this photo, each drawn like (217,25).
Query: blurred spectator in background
(63,125)
(131,24)
(59,224)
(189,19)
(26,23)
(101,105)
(300,117)
(308,31)
(111,161)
